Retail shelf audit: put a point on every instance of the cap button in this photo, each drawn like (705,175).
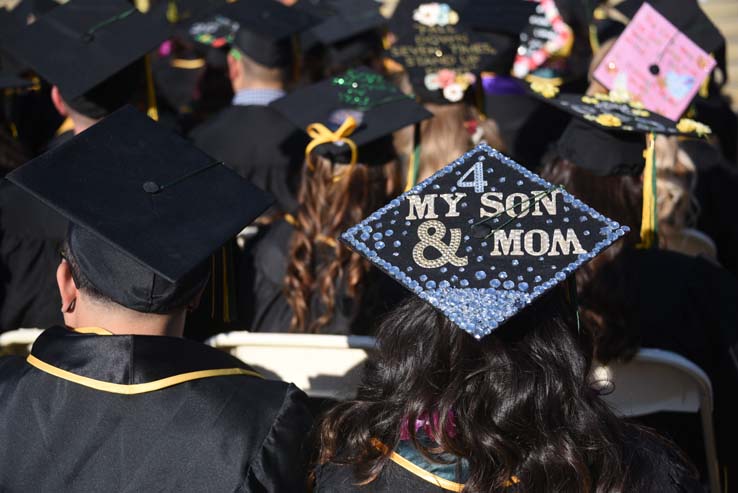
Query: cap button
(88,37)
(654,69)
(151,187)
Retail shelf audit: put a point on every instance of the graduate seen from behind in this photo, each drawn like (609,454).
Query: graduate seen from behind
(249,136)
(119,400)
(301,279)
(481,382)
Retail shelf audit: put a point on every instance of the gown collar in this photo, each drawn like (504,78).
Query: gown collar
(129,364)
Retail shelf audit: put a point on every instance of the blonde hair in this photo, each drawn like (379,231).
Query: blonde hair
(676,178)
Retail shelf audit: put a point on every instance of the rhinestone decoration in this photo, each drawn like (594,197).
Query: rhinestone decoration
(481,253)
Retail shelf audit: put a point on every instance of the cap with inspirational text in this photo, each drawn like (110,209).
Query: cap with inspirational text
(482,238)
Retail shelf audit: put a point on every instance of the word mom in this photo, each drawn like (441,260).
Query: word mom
(516,205)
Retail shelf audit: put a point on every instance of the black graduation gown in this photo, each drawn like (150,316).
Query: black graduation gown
(689,306)
(717,181)
(409,472)
(265,308)
(30,236)
(261,145)
(89,412)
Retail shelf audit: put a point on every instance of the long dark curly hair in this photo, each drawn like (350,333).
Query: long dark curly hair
(332,197)
(520,399)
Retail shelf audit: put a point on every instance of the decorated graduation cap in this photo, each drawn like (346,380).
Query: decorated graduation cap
(442,55)
(545,36)
(507,16)
(615,136)
(352,116)
(263,30)
(146,208)
(87,49)
(482,238)
(663,56)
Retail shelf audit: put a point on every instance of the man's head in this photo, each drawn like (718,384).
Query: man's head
(246,73)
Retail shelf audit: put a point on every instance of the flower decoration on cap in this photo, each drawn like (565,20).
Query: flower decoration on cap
(452,84)
(217,32)
(435,14)
(546,36)
(482,238)
(544,88)
(687,125)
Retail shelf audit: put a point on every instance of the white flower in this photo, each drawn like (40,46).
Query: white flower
(453,92)
(427,14)
(431,82)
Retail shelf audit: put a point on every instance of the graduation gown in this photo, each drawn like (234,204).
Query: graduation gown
(261,145)
(409,472)
(30,236)
(88,412)
(265,307)
(689,306)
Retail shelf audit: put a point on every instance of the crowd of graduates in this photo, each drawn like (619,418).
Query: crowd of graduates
(265,166)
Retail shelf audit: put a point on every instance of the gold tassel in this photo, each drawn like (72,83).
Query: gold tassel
(172,12)
(151,108)
(649,219)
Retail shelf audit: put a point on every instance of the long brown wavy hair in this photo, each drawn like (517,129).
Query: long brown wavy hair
(331,198)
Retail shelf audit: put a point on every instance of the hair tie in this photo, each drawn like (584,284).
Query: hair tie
(322,135)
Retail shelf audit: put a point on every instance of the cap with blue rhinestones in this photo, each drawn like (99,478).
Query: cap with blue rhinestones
(482,238)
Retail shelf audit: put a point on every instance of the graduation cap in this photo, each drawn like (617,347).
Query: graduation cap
(663,56)
(442,55)
(546,35)
(80,45)
(374,107)
(686,15)
(264,30)
(507,16)
(147,208)
(340,20)
(611,136)
(482,238)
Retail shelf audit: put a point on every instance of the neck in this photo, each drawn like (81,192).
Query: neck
(247,84)
(122,321)
(81,123)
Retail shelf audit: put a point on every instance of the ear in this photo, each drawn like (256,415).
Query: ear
(192,305)
(58,101)
(67,288)
(235,69)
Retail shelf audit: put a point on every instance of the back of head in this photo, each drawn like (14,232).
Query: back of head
(332,197)
(517,403)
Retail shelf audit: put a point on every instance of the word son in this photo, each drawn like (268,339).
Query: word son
(514,205)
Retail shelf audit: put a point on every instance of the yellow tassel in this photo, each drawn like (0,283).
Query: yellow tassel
(172,12)
(143,6)
(594,42)
(649,220)
(151,109)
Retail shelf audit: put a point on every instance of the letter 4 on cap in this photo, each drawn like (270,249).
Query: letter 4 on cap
(482,238)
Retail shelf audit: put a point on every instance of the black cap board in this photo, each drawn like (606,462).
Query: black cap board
(81,44)
(148,207)
(442,55)
(378,107)
(340,20)
(261,29)
(506,16)
(482,239)
(607,136)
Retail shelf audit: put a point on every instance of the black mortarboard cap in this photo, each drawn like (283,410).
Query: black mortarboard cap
(378,107)
(79,45)
(607,137)
(340,20)
(148,207)
(506,16)
(482,238)
(261,29)
(442,55)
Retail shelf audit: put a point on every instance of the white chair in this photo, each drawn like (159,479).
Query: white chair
(321,365)
(18,341)
(656,380)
